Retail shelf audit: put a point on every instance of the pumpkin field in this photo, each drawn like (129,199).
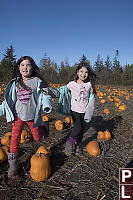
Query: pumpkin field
(91,176)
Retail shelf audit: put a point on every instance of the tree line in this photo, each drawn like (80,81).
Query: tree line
(108,72)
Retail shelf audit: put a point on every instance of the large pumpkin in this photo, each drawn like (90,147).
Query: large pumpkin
(40,167)
(93,148)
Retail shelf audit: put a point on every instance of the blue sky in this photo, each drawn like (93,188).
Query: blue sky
(67,29)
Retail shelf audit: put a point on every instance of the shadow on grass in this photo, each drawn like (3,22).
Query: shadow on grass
(99,124)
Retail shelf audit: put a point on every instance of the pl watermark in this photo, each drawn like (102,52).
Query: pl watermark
(126,184)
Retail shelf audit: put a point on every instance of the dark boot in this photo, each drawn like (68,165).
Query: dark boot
(79,149)
(13,164)
(79,146)
(70,146)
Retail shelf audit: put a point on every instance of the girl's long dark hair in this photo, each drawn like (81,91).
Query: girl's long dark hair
(35,71)
(91,75)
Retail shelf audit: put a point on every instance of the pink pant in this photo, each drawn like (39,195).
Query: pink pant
(17,128)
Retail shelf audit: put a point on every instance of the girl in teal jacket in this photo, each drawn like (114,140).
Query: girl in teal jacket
(24,95)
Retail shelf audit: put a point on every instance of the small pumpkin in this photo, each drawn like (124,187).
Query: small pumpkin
(59,125)
(44,150)
(67,120)
(106,111)
(101,135)
(107,135)
(40,167)
(45,118)
(6,140)
(58,122)
(71,121)
(8,133)
(25,137)
(93,148)
(103,101)
(3,156)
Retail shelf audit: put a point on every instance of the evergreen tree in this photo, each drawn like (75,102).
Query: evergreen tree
(7,63)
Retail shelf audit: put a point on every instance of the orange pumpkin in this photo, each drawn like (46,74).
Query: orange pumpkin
(107,135)
(8,133)
(67,120)
(93,148)
(25,137)
(40,167)
(44,150)
(5,140)
(3,156)
(45,118)
(59,126)
(58,122)
(103,101)
(71,121)
(101,135)
(6,149)
(106,111)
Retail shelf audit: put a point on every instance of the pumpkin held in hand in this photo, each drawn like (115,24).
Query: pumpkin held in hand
(93,148)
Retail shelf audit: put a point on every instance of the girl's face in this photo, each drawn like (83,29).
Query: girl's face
(82,74)
(25,69)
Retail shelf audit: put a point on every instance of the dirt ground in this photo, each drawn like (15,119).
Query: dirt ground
(76,177)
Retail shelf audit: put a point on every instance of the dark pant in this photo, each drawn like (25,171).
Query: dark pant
(78,125)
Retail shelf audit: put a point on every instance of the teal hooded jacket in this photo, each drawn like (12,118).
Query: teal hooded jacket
(8,105)
(64,104)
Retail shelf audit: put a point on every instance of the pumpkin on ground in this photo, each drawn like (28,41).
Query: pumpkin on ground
(59,125)
(3,156)
(104,135)
(25,137)
(44,150)
(8,133)
(93,148)
(5,140)
(101,135)
(45,118)
(67,120)
(106,111)
(6,149)
(107,135)
(40,167)
(103,101)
